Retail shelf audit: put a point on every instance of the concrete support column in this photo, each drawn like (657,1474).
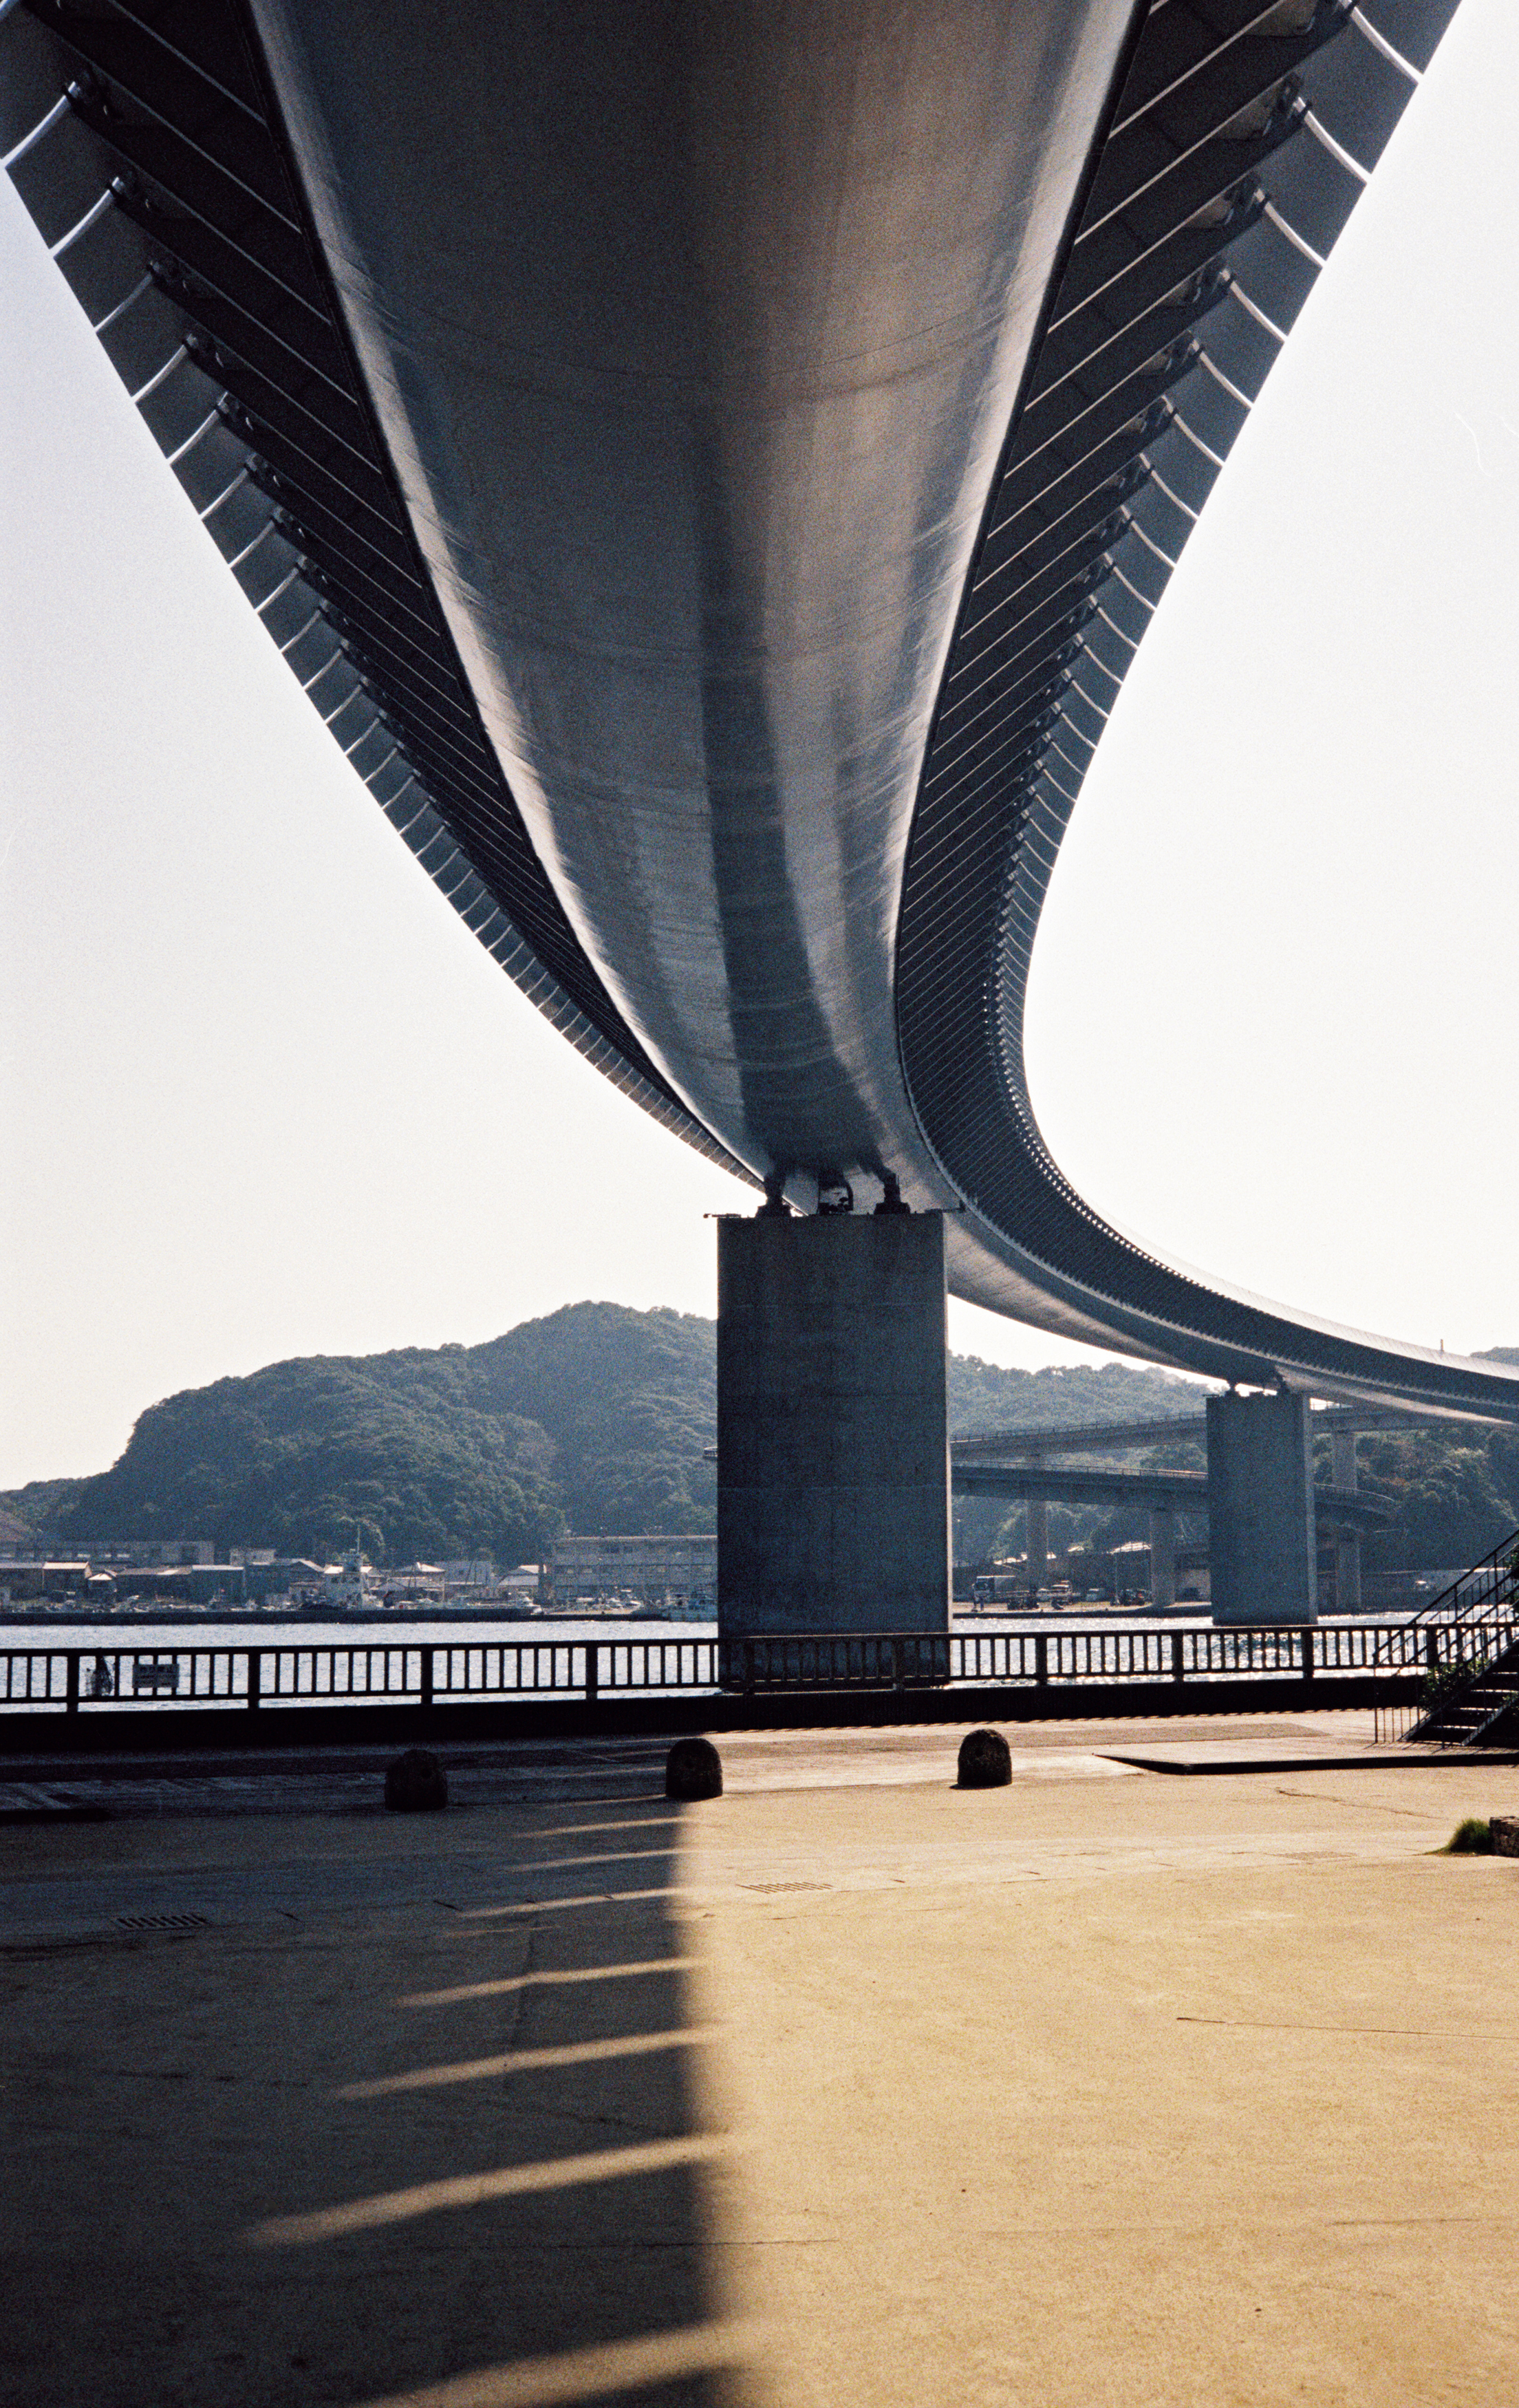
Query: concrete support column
(1342,1457)
(833,1465)
(1163,1554)
(1347,1541)
(1037,1521)
(1347,1572)
(1262,1544)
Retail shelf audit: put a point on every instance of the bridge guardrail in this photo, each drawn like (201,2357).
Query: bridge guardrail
(170,1679)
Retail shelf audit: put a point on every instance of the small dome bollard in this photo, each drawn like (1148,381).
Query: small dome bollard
(985,1761)
(416,1783)
(692,1769)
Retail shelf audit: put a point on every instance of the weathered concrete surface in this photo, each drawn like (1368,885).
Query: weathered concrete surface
(1158,2092)
(524,1771)
(1262,1543)
(413,2110)
(1107,2087)
(833,1469)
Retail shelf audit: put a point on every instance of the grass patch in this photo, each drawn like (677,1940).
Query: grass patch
(1472,1838)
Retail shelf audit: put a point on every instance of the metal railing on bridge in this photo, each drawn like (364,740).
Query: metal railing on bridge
(85,1681)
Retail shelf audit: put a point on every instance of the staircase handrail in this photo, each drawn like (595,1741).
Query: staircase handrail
(1484,1596)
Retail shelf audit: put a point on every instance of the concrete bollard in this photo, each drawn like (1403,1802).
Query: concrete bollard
(692,1769)
(986,1760)
(416,1783)
(1504,1830)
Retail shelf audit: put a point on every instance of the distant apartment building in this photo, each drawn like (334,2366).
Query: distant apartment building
(160,1555)
(199,1584)
(680,1571)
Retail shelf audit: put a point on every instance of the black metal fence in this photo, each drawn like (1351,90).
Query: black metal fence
(73,1681)
(1062,1659)
(248,1678)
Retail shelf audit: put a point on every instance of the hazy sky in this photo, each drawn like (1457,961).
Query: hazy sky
(261,1093)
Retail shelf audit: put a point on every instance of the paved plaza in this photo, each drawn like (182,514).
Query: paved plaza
(1180,2071)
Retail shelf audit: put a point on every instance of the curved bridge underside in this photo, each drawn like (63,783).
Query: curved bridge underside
(711,468)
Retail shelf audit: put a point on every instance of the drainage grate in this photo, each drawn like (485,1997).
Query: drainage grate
(162,1922)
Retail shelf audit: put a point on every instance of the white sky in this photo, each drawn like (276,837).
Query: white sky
(261,1093)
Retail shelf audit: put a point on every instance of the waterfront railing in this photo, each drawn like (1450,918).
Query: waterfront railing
(1060,1658)
(86,1680)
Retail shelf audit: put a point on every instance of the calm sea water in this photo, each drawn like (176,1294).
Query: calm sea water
(115,1633)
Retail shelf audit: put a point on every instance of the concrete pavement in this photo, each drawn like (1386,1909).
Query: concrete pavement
(1110,2086)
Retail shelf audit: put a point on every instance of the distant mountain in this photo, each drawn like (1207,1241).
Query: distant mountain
(16,1533)
(37,1507)
(595,1416)
(291,1456)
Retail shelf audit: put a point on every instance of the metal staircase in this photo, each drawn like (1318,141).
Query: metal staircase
(1471,1652)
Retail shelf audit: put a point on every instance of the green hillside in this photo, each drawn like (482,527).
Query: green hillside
(986,1397)
(628,1399)
(594,1418)
(291,1456)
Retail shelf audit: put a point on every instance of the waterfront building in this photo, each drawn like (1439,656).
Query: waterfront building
(144,1555)
(675,1570)
(413,1585)
(469,1576)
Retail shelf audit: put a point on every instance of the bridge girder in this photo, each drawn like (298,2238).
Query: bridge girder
(712,471)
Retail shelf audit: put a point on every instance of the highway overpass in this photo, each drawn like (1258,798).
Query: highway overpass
(712,470)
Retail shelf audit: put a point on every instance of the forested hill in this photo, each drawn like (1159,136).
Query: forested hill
(595,1417)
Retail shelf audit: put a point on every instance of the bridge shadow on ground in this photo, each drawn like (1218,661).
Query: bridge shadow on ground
(433,2136)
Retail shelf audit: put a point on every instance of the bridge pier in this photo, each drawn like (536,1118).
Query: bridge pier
(1347,1540)
(1263,1550)
(1163,1554)
(1037,1524)
(832,1477)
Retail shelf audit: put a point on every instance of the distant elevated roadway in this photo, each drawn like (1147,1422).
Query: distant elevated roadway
(1159,1491)
(1109,1437)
